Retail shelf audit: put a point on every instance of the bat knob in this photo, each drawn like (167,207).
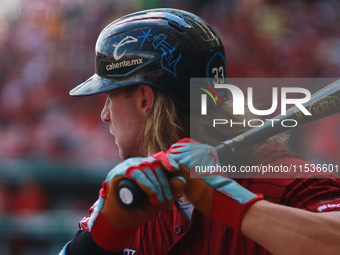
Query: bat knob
(130,194)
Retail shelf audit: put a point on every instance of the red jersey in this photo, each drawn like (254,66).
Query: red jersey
(168,232)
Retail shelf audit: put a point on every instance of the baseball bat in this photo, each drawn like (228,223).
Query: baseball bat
(323,103)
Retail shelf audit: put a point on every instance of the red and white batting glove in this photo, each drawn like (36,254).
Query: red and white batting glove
(111,224)
(213,194)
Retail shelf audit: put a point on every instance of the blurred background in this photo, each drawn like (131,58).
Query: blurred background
(55,151)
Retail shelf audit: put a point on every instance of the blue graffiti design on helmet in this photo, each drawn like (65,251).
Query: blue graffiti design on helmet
(162,48)
(167,62)
(145,37)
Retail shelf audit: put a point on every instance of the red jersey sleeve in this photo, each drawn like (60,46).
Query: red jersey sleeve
(317,192)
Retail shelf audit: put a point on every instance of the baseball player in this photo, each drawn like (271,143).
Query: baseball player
(144,62)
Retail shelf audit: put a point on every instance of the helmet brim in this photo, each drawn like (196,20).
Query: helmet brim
(94,85)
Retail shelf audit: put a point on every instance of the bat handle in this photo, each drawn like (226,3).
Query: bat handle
(226,149)
(130,194)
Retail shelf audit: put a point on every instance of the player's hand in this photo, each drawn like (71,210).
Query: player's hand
(213,194)
(150,175)
(110,220)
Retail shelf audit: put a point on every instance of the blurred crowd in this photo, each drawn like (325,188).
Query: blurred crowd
(47,48)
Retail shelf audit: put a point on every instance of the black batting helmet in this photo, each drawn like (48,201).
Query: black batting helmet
(162,48)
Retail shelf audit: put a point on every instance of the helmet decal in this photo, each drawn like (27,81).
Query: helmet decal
(168,61)
(126,40)
(163,48)
(145,37)
(124,63)
(216,69)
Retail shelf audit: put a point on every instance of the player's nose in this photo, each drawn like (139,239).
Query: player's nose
(105,114)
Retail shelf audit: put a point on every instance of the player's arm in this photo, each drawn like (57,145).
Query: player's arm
(286,230)
(111,225)
(279,229)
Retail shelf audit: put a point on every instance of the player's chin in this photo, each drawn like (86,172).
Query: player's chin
(122,155)
(125,153)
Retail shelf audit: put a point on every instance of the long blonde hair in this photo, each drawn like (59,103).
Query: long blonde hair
(169,123)
(166,125)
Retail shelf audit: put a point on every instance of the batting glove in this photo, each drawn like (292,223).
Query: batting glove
(110,220)
(213,194)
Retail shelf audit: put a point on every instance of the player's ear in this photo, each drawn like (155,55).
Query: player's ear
(146,98)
